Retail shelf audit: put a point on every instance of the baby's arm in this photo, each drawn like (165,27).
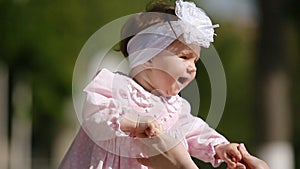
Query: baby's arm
(202,140)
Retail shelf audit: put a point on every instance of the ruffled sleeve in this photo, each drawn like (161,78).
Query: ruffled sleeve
(201,140)
(101,113)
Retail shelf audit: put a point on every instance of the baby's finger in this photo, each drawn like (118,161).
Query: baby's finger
(228,160)
(149,133)
(153,124)
(236,155)
(139,134)
(154,129)
(240,166)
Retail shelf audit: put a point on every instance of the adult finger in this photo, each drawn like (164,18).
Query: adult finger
(252,162)
(228,160)
(158,144)
(245,154)
(248,159)
(144,161)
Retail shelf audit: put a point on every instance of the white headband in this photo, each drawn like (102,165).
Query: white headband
(193,24)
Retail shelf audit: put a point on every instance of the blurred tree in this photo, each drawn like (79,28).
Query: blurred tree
(294,22)
(272,84)
(39,42)
(270,60)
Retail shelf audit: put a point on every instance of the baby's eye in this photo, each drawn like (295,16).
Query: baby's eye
(183,57)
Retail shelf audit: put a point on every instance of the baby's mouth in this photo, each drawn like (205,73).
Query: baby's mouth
(182,80)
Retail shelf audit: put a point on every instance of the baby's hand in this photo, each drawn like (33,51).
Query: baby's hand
(230,154)
(146,126)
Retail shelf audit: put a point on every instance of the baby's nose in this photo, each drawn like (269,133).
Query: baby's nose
(191,68)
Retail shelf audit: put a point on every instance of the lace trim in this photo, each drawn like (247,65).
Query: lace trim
(196,25)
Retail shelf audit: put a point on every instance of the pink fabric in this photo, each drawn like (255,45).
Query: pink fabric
(100,144)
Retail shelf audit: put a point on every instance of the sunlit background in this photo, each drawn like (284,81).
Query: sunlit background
(258,42)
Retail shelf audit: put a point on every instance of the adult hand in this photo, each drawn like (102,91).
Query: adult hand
(251,162)
(166,156)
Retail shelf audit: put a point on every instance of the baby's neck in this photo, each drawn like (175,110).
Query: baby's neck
(143,81)
(140,76)
(148,87)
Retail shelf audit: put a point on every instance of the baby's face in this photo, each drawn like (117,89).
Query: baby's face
(174,68)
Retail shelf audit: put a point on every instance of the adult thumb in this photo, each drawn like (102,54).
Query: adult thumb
(245,154)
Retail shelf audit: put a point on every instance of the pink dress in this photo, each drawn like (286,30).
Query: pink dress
(100,144)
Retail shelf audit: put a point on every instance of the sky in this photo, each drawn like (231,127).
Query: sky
(244,11)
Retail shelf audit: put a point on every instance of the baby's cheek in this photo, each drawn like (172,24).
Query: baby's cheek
(176,68)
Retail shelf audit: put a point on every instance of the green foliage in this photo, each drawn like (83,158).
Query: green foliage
(40,41)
